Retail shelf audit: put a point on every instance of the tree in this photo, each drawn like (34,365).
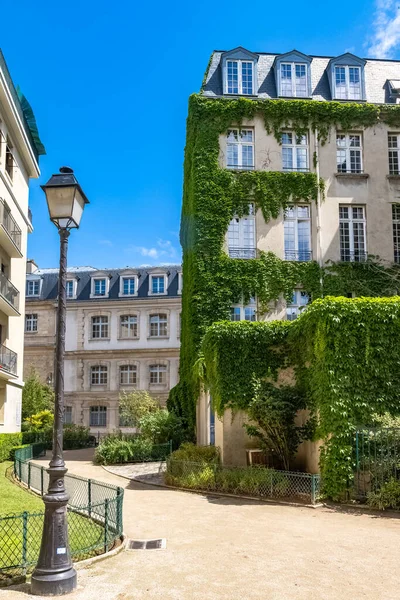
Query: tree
(41,421)
(36,396)
(161,427)
(273,410)
(135,405)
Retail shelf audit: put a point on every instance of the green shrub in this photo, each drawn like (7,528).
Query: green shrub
(15,448)
(7,442)
(162,427)
(197,454)
(116,450)
(75,436)
(387,497)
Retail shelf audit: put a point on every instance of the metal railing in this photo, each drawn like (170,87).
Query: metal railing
(256,481)
(94,520)
(9,291)
(8,360)
(10,224)
(357,256)
(301,256)
(242,252)
(241,167)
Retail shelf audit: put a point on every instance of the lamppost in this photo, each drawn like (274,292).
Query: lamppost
(54,574)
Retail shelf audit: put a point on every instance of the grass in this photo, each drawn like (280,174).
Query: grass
(14,499)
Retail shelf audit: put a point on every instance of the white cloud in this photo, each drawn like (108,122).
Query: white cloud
(106,243)
(163,249)
(385,39)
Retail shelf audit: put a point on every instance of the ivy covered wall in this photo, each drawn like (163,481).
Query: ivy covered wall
(212,196)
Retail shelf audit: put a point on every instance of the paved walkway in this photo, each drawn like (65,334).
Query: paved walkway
(235,549)
(151,472)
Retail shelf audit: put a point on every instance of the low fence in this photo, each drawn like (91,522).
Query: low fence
(256,481)
(94,519)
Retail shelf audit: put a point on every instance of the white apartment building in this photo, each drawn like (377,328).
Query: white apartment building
(19,151)
(122,333)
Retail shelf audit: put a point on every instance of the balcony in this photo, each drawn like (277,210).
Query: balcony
(10,232)
(240,167)
(9,297)
(357,256)
(242,253)
(8,363)
(301,256)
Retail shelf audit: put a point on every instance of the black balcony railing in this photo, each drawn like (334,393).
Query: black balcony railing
(242,252)
(297,169)
(8,360)
(10,224)
(241,167)
(9,292)
(353,171)
(356,256)
(301,256)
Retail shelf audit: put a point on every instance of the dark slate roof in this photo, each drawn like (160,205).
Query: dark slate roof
(377,73)
(49,277)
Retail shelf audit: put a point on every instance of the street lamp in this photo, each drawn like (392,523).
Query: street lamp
(54,574)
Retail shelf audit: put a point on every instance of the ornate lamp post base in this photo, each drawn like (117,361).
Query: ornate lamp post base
(52,584)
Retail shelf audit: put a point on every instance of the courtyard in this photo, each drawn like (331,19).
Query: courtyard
(231,549)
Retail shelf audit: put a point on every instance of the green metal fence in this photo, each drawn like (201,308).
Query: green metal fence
(94,519)
(257,481)
(376,458)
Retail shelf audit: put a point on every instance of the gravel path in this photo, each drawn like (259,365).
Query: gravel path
(237,549)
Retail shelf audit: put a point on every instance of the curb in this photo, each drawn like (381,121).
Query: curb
(95,559)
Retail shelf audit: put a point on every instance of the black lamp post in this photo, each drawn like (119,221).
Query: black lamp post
(54,574)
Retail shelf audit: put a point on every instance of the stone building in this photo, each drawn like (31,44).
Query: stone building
(19,162)
(123,332)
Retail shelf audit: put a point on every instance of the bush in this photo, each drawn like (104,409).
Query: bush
(119,449)
(75,436)
(40,421)
(162,427)
(197,454)
(7,442)
(387,497)
(15,448)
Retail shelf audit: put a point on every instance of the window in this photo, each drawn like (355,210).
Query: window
(128,375)
(158,326)
(67,414)
(180,283)
(352,233)
(239,77)
(158,284)
(240,149)
(394,149)
(129,326)
(297,232)
(99,287)
(128,286)
(299,301)
(294,152)
(396,232)
(242,236)
(349,153)
(9,159)
(158,374)
(99,327)
(348,83)
(70,289)
(98,416)
(244,313)
(31,322)
(33,287)
(294,80)
(99,375)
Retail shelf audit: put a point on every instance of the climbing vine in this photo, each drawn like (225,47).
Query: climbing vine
(212,196)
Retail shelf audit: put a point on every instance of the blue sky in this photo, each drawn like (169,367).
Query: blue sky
(109,84)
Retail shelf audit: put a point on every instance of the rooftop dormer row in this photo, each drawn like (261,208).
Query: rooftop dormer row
(240,72)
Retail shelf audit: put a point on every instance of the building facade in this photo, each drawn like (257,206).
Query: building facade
(352,158)
(122,334)
(18,164)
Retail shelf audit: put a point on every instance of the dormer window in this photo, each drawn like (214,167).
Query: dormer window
(239,77)
(128,285)
(158,285)
(294,80)
(70,288)
(348,83)
(100,287)
(33,287)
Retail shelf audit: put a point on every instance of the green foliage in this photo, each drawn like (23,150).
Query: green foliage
(116,449)
(40,421)
(273,411)
(135,405)
(7,442)
(161,427)
(36,396)
(387,497)
(199,454)
(75,436)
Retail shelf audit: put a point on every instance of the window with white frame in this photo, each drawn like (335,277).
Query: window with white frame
(349,152)
(67,415)
(294,80)
(157,284)
(33,287)
(128,375)
(394,150)
(158,325)
(98,416)
(347,83)
(239,77)
(31,323)
(99,327)
(10,162)
(99,286)
(352,232)
(242,235)
(297,232)
(298,303)
(158,374)
(128,326)
(396,232)
(128,286)
(240,149)
(294,151)
(70,288)
(244,313)
(99,375)
(180,283)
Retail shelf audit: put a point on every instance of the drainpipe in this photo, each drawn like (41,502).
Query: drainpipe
(319,229)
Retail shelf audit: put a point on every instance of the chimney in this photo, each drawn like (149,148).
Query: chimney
(31,267)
